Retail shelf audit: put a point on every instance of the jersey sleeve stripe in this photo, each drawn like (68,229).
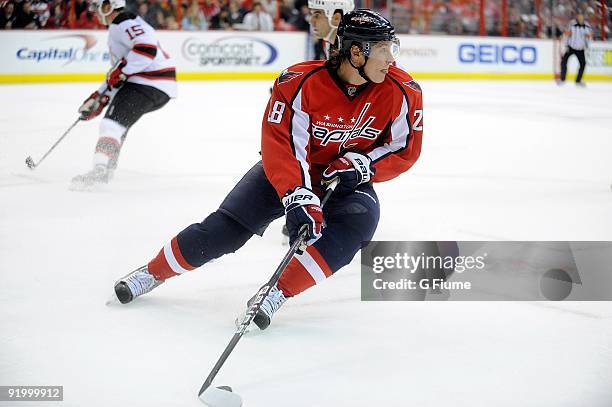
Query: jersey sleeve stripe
(147,50)
(400,134)
(300,122)
(163,74)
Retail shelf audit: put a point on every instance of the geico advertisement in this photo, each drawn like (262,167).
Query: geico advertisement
(475,54)
(53,51)
(87,51)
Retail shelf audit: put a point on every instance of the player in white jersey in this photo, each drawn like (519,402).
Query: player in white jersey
(325,15)
(143,79)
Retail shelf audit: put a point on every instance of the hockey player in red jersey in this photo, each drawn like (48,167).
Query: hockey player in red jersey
(143,79)
(354,117)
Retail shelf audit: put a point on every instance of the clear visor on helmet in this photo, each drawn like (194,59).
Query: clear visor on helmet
(383,50)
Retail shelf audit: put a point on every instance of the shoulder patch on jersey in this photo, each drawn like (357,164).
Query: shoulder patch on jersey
(121,17)
(287,75)
(413,85)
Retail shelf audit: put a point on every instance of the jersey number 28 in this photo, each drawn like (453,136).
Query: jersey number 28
(276,112)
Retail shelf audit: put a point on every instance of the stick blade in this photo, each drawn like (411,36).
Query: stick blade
(220,397)
(30,163)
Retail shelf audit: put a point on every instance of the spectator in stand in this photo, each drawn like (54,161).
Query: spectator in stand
(143,9)
(194,18)
(41,8)
(211,8)
(300,22)
(154,14)
(8,16)
(287,12)
(554,30)
(79,7)
(258,19)
(160,20)
(27,18)
(438,22)
(167,6)
(218,21)
(235,13)
(270,7)
(88,21)
(171,23)
(58,18)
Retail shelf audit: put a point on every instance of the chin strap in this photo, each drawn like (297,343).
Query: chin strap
(331,35)
(361,69)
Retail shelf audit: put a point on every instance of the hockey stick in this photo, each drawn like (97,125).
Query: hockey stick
(222,396)
(30,161)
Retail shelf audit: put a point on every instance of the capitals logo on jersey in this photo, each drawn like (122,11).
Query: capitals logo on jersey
(346,135)
(287,75)
(413,85)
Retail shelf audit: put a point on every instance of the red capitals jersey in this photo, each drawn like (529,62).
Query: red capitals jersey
(313,118)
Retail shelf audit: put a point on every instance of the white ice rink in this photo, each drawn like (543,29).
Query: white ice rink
(500,161)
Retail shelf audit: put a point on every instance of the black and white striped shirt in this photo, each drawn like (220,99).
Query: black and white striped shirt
(579,35)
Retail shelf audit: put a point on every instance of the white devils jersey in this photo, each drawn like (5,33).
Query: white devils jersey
(132,39)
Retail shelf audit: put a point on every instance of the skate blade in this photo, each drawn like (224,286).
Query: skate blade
(112,300)
(238,322)
(221,396)
(81,187)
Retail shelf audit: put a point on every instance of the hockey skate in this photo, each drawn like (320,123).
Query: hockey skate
(270,305)
(135,284)
(99,175)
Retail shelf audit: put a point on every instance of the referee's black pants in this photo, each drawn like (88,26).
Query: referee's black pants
(580,55)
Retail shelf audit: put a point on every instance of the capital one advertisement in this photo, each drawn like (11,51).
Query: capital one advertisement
(54,52)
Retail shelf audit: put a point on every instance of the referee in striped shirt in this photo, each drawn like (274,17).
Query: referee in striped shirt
(578,37)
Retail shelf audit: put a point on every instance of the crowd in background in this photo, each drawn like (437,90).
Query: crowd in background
(524,18)
(253,15)
(455,17)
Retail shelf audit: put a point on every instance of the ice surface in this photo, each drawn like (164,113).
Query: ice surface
(505,160)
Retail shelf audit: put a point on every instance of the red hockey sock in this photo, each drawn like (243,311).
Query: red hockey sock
(304,271)
(169,262)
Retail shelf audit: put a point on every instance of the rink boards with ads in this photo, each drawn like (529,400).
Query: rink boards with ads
(82,55)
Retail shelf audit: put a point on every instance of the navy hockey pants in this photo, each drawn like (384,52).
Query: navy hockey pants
(249,208)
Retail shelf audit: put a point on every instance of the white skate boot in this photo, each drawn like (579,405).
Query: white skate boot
(99,175)
(135,284)
(270,305)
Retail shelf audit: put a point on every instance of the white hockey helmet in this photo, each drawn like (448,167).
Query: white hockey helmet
(330,6)
(114,5)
